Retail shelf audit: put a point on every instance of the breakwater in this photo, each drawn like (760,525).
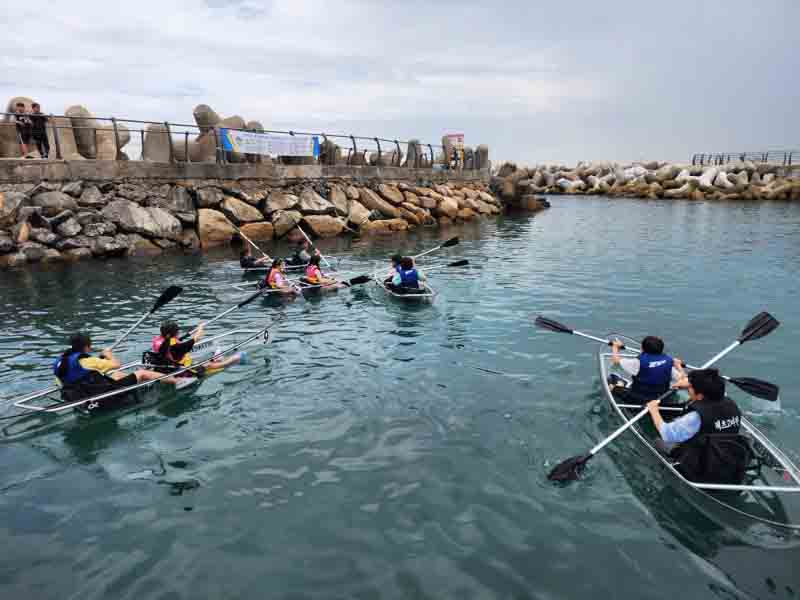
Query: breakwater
(741,180)
(63,211)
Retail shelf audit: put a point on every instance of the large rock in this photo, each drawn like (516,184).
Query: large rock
(91,197)
(447,207)
(482,157)
(258,231)
(76,254)
(137,245)
(427,202)
(99,229)
(311,203)
(213,228)
(33,251)
(385,226)
(189,239)
(205,117)
(284,221)
(73,188)
(667,172)
(721,181)
(358,214)
(374,202)
(69,228)
(84,127)
(340,201)
(73,243)
(409,216)
(209,197)
(109,246)
(107,148)
(240,212)
(280,201)
(53,203)
(178,200)
(66,139)
(154,222)
(706,181)
(9,205)
(6,244)
(391,193)
(156,144)
(323,225)
(352,192)
(12,260)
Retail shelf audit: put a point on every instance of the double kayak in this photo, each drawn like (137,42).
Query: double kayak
(770,492)
(425,293)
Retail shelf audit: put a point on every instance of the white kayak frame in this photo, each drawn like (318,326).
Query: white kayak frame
(58,407)
(428,295)
(786,464)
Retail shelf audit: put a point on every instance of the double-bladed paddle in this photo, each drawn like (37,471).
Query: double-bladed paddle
(308,239)
(166,296)
(451,242)
(237,306)
(759,326)
(755,387)
(252,243)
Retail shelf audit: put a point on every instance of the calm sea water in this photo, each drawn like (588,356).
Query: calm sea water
(378,450)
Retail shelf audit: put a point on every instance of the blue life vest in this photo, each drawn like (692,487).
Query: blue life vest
(74,371)
(409,278)
(655,374)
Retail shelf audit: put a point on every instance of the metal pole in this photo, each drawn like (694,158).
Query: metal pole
(186,147)
(116,137)
(56,139)
(171,147)
(397,145)
(355,148)
(378,142)
(432,159)
(141,133)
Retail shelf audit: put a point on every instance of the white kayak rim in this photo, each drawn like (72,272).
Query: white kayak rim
(428,292)
(759,489)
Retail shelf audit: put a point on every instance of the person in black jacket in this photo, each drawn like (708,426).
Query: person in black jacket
(24,126)
(39,130)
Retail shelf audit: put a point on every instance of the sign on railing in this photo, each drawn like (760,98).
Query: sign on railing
(269,144)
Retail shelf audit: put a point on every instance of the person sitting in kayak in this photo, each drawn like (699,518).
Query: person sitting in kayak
(652,371)
(303,253)
(395,268)
(84,376)
(705,440)
(276,280)
(314,276)
(248,261)
(407,279)
(169,354)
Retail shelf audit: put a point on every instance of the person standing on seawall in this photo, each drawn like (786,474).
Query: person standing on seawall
(39,130)
(23,122)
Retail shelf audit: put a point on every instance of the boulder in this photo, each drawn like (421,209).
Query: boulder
(10,202)
(323,225)
(444,221)
(73,243)
(6,244)
(53,203)
(73,188)
(411,198)
(485,208)
(76,254)
(177,200)
(129,217)
(33,251)
(340,201)
(667,172)
(706,181)
(258,231)
(205,117)
(213,228)
(187,218)
(66,139)
(85,217)
(409,216)
(767,178)
(721,181)
(482,157)
(372,201)
(21,232)
(51,255)
(64,215)
(99,229)
(156,146)
(311,203)
(209,197)
(165,244)
(84,127)
(284,221)
(391,193)
(137,245)
(465,214)
(189,239)
(280,201)
(91,197)
(240,212)
(167,226)
(358,214)
(447,207)
(740,180)
(16,259)
(109,246)
(352,192)
(107,141)
(69,228)
(385,226)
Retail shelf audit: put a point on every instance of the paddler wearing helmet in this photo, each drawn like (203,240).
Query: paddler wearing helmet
(168,353)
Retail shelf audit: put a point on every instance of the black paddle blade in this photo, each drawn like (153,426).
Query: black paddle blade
(450,242)
(359,280)
(570,469)
(459,263)
(167,296)
(756,387)
(759,326)
(551,325)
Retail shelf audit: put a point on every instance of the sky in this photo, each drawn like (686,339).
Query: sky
(535,81)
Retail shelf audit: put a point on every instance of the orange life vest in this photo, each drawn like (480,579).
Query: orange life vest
(313,274)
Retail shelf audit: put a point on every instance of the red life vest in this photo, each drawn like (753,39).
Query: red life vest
(271,277)
(313,274)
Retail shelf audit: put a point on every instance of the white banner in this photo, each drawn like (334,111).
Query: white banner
(269,144)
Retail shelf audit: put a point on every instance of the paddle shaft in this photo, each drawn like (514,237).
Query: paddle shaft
(252,243)
(645,410)
(130,329)
(308,239)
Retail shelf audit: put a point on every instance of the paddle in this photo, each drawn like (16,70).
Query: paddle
(447,244)
(252,243)
(759,326)
(755,387)
(166,296)
(244,302)
(308,239)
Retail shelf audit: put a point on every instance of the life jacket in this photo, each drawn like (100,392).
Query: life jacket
(409,278)
(164,352)
(73,372)
(271,276)
(716,453)
(313,274)
(655,374)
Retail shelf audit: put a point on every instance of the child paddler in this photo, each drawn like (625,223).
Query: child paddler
(84,376)
(652,372)
(395,260)
(248,261)
(314,275)
(276,279)
(407,278)
(168,353)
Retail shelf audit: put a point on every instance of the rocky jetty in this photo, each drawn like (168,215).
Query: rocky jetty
(81,219)
(743,180)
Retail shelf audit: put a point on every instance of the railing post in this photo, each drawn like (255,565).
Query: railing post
(378,143)
(186,147)
(397,145)
(355,150)
(171,146)
(116,137)
(218,146)
(56,138)
(141,134)
(432,159)
(417,157)
(327,149)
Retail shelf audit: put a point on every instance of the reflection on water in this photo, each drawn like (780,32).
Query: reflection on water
(383,449)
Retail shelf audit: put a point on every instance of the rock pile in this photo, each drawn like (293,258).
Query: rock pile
(743,180)
(74,220)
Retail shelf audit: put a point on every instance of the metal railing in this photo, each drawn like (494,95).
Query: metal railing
(355,149)
(785,158)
